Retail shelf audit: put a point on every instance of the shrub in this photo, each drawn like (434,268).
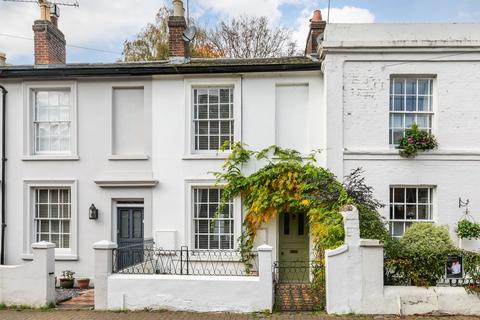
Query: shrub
(419,257)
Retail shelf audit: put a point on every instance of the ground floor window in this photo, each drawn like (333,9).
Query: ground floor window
(52,219)
(409,205)
(210,231)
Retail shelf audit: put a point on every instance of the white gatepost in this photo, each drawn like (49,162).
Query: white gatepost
(354,271)
(103,268)
(44,258)
(265,271)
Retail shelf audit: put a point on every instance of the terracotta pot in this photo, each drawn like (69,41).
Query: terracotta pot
(66,283)
(83,283)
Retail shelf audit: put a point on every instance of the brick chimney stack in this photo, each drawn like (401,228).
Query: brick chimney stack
(317,27)
(176,26)
(49,40)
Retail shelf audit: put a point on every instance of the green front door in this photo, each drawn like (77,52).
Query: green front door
(293,248)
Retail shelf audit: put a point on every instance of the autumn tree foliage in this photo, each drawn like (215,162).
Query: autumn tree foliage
(244,37)
(251,37)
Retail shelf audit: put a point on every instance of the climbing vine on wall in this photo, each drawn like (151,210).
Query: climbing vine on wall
(287,183)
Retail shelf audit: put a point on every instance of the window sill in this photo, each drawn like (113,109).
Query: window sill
(206,156)
(58,257)
(51,158)
(393,154)
(127,157)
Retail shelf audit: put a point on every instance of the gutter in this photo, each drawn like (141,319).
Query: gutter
(4,161)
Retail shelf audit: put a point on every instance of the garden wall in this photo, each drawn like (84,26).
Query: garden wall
(182,292)
(31,284)
(354,282)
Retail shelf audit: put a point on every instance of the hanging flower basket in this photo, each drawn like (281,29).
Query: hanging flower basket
(416,140)
(468,229)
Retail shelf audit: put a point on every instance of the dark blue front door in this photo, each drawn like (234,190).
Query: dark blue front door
(129,236)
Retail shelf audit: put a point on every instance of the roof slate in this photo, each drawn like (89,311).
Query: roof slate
(194,66)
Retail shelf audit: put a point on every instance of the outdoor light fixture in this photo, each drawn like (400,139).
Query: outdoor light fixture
(93,212)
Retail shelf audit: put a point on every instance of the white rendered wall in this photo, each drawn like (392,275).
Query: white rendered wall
(354,282)
(31,284)
(363,108)
(182,292)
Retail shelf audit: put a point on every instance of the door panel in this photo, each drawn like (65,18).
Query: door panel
(293,248)
(130,237)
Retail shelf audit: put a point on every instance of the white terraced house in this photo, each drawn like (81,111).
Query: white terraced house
(125,151)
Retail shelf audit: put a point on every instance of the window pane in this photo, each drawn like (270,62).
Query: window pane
(423,87)
(423,195)
(422,121)
(398,120)
(411,213)
(398,103)
(397,229)
(423,212)
(410,103)
(399,195)
(399,87)
(399,212)
(411,195)
(411,86)
(409,120)
(423,103)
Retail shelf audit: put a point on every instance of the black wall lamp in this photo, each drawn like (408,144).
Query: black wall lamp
(93,212)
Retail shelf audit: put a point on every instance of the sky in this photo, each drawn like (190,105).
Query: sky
(95,31)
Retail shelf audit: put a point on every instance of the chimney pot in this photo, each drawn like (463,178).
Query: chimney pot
(178,10)
(317,16)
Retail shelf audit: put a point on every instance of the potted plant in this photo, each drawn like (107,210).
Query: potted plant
(416,140)
(67,279)
(83,283)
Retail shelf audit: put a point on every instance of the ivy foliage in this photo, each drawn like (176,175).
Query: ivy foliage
(288,183)
(416,140)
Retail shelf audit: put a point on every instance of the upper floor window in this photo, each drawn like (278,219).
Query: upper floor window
(51,121)
(409,205)
(410,102)
(213,117)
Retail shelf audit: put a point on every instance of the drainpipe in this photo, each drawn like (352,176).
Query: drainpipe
(4,160)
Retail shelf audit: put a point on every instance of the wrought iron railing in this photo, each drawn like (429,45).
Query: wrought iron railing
(151,260)
(293,271)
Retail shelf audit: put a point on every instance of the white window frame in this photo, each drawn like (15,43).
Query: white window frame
(190,185)
(29,89)
(432,204)
(190,84)
(29,214)
(430,95)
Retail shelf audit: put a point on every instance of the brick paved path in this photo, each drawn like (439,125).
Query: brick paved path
(92,315)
